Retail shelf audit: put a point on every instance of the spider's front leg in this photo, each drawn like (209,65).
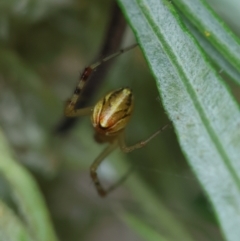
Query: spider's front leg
(71,109)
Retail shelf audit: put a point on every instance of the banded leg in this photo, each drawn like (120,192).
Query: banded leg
(93,169)
(140,144)
(78,112)
(70,109)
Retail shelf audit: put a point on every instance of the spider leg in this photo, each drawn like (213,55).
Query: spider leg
(124,148)
(70,109)
(77,112)
(140,144)
(93,169)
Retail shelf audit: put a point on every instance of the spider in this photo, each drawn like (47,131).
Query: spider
(109,117)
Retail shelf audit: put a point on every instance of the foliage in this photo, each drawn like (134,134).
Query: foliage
(192,55)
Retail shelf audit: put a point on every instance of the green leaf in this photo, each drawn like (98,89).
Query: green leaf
(207,22)
(144,230)
(11,227)
(26,196)
(205,115)
(214,55)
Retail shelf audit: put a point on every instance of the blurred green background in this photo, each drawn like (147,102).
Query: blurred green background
(43,47)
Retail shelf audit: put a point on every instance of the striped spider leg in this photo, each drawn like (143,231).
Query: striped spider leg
(109,118)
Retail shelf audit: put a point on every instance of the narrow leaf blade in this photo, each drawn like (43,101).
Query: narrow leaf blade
(205,115)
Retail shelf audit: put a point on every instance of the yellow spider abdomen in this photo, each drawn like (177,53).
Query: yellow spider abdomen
(112,113)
